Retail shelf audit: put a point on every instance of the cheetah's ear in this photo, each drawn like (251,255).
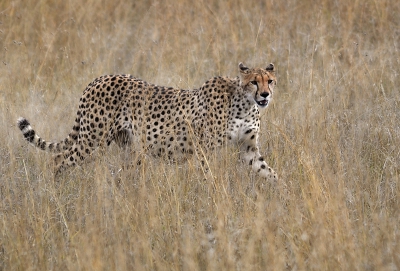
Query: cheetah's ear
(243,68)
(270,67)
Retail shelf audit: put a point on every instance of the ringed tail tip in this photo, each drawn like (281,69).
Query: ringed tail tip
(22,123)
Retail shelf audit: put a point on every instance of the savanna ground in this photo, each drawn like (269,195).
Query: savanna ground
(332,133)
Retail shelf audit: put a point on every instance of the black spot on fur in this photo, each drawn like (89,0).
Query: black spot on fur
(42,145)
(30,135)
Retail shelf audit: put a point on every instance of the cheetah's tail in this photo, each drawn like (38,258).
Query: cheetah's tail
(32,137)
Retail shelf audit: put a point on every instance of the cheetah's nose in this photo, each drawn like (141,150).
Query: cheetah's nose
(264,95)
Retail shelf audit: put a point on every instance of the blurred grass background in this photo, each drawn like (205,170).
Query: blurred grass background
(332,134)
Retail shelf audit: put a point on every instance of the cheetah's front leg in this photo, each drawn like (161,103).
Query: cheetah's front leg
(249,152)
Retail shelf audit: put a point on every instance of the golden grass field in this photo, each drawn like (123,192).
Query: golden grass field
(332,133)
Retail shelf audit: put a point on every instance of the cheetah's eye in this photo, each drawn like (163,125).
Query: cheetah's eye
(269,81)
(254,83)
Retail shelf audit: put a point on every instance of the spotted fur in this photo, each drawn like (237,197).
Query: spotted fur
(166,121)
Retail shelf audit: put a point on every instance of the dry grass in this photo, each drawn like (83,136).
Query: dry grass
(332,134)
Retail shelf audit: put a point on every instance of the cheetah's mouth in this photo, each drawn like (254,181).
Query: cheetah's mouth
(262,103)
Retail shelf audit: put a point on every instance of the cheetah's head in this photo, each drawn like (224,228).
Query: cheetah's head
(258,83)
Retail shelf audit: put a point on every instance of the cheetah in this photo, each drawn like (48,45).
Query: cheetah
(166,121)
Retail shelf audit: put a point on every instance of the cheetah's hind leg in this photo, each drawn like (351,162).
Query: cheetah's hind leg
(124,139)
